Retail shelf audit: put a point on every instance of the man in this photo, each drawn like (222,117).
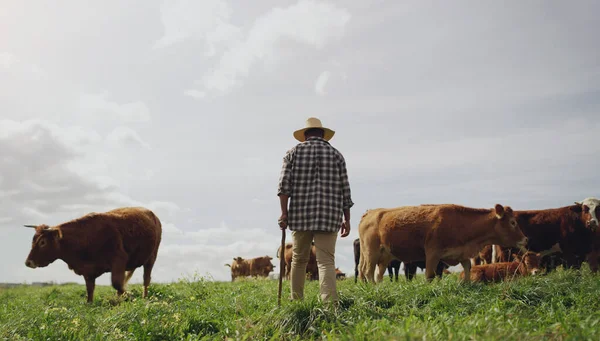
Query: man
(315,182)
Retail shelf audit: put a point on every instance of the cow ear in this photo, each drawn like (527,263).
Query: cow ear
(499,211)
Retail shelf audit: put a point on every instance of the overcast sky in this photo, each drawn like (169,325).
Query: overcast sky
(187,108)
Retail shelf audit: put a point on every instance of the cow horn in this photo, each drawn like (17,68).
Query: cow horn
(32,226)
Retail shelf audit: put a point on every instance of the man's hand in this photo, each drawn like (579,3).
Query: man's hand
(283,223)
(345,229)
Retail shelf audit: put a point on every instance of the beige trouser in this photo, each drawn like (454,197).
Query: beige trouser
(325,249)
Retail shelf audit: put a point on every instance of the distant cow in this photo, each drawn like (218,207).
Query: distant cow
(239,268)
(117,241)
(433,233)
(312,269)
(255,267)
(571,227)
(339,274)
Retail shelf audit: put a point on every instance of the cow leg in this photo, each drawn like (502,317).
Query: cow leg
(90,285)
(148,274)
(466,264)
(128,275)
(440,270)
(118,277)
(410,269)
(592,259)
(390,269)
(431,261)
(383,263)
(370,262)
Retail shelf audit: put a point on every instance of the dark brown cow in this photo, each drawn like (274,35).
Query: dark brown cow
(496,272)
(433,233)
(255,267)
(312,269)
(261,266)
(117,241)
(568,226)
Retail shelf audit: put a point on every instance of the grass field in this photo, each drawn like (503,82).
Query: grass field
(562,305)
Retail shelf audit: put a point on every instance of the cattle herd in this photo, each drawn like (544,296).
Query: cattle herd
(491,244)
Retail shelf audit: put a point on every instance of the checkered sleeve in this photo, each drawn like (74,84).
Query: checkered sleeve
(347,195)
(285,177)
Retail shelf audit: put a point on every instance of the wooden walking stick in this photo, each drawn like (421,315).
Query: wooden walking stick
(281,265)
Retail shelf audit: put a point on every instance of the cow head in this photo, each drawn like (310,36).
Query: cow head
(507,228)
(45,246)
(590,212)
(531,260)
(269,266)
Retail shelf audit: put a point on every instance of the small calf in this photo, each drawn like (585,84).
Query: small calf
(496,272)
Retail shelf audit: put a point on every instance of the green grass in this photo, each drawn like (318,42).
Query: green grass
(563,305)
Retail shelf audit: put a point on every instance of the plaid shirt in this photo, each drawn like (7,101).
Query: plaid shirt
(314,176)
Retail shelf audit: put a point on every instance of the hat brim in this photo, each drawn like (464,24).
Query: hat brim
(299,134)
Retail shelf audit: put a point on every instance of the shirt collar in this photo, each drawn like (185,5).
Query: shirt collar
(316,138)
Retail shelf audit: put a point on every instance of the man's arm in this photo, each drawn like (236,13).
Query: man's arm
(284,189)
(347,194)
(347,197)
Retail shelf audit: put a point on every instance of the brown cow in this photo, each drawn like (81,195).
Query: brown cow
(450,233)
(312,269)
(569,226)
(493,254)
(255,267)
(497,272)
(117,241)
(339,274)
(239,268)
(410,269)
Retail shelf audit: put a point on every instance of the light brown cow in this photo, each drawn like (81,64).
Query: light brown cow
(450,233)
(497,272)
(255,267)
(312,269)
(239,268)
(493,254)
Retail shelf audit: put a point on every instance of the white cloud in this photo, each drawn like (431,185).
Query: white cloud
(99,106)
(206,20)
(195,93)
(322,82)
(7,60)
(126,136)
(307,22)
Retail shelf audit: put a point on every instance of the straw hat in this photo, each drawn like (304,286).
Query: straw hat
(313,122)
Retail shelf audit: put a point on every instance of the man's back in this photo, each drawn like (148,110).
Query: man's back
(315,177)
